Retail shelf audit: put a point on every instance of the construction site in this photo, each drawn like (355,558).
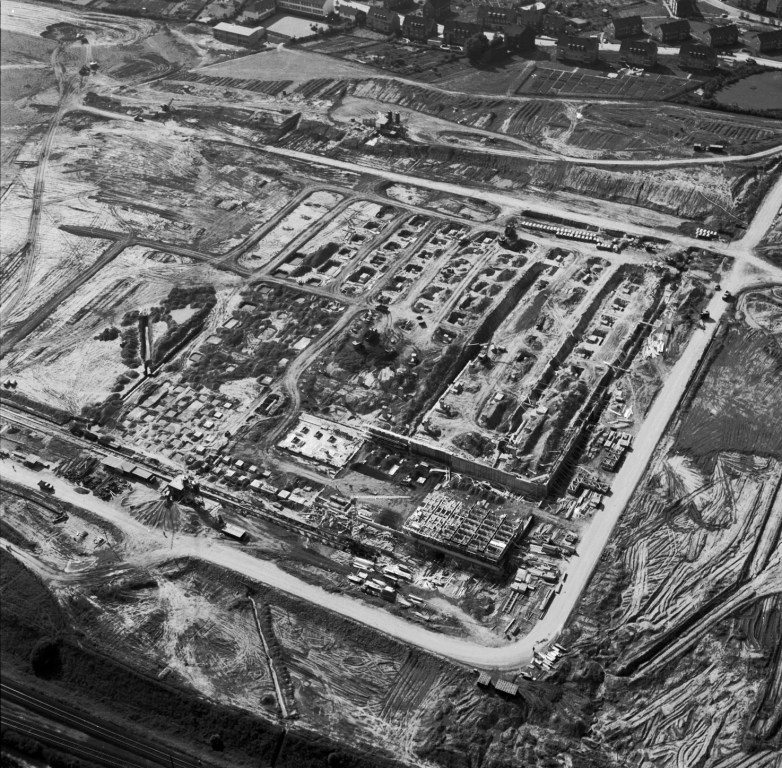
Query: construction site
(354,413)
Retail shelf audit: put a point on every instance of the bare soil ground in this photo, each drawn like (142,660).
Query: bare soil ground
(688,595)
(286,64)
(64,363)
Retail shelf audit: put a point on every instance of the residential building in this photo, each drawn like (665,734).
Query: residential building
(722,36)
(697,56)
(418,28)
(356,15)
(261,10)
(754,6)
(531,16)
(578,50)
(683,9)
(439,10)
(495,19)
(554,25)
(319,8)
(520,38)
(456,32)
(351,11)
(577,24)
(766,42)
(236,35)
(626,26)
(638,53)
(383,20)
(672,31)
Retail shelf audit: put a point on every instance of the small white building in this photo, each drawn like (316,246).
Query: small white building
(238,35)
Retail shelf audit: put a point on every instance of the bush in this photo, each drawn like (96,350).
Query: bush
(391,518)
(108,334)
(45,659)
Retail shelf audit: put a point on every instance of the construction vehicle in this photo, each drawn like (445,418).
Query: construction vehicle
(44,486)
(167,108)
(139,119)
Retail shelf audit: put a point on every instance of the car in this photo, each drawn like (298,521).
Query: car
(724,15)
(445,47)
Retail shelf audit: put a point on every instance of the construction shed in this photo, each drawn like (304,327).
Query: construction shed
(32,461)
(232,531)
(505,686)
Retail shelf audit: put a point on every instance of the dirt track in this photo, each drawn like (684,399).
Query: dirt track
(504,657)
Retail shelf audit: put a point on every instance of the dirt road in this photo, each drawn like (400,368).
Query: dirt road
(474,654)
(522,201)
(764,217)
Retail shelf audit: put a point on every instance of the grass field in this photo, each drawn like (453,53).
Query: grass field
(755,92)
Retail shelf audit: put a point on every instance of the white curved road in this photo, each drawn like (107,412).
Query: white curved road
(468,652)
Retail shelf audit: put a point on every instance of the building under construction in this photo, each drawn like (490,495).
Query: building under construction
(387,124)
(475,533)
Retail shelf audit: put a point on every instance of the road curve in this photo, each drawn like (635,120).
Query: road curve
(465,651)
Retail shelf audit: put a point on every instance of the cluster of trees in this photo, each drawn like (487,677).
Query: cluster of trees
(129,347)
(479,50)
(202,298)
(108,334)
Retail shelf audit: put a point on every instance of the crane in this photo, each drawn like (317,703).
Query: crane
(446,471)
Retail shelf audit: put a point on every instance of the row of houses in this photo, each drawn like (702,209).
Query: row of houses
(769,7)
(519,25)
(674,31)
(637,53)
(718,37)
